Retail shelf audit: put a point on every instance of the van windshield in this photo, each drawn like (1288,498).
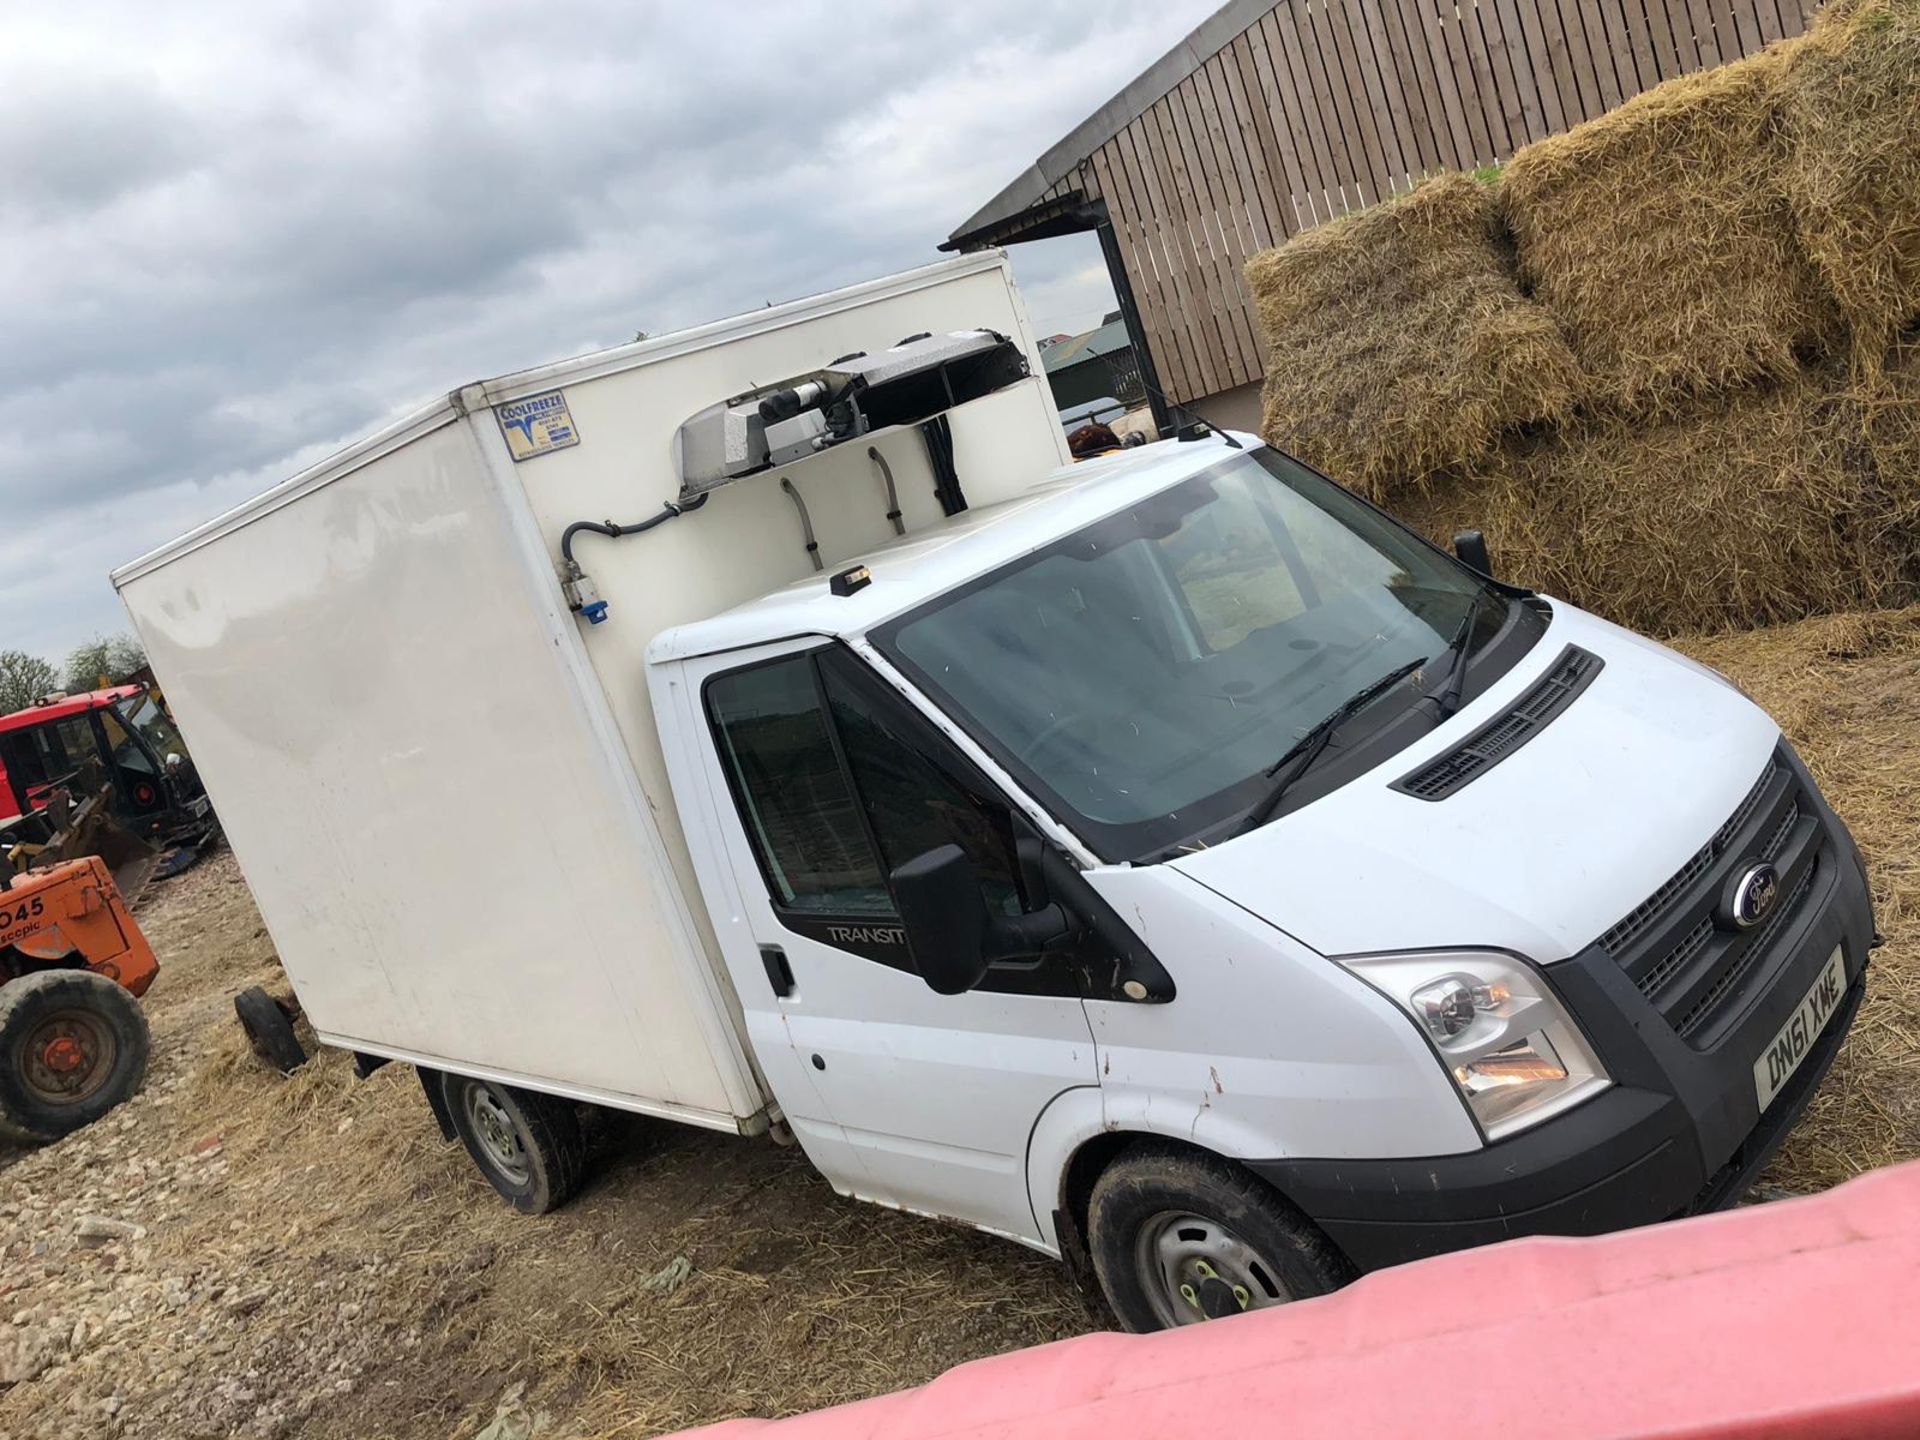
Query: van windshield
(1143,673)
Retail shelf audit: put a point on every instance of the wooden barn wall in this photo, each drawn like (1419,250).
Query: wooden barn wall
(1325,106)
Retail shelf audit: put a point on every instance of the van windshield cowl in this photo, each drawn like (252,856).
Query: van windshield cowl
(1142,674)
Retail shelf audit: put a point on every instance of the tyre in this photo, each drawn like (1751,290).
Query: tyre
(1179,1236)
(73,1045)
(269,1029)
(528,1145)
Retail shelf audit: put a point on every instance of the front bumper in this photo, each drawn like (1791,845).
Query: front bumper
(1680,1132)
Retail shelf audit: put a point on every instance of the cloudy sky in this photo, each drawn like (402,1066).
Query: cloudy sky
(235,236)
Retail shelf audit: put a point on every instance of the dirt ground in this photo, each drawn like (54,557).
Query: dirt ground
(311,1259)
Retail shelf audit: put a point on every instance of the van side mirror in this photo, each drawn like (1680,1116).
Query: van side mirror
(950,934)
(945,914)
(1471,547)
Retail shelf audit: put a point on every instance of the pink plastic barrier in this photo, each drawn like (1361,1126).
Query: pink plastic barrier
(1799,1318)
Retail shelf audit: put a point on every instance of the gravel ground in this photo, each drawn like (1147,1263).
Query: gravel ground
(234,1252)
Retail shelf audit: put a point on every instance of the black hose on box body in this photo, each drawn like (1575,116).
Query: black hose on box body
(615,531)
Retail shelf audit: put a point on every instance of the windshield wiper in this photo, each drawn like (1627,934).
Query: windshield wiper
(1461,648)
(1303,752)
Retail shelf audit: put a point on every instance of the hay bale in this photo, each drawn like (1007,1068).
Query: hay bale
(1886,395)
(1399,342)
(1850,112)
(1750,514)
(1661,237)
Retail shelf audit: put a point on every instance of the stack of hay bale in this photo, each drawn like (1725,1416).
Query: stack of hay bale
(1669,360)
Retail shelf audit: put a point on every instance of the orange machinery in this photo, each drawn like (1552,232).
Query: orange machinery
(73,1044)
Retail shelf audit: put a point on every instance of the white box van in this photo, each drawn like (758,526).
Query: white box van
(1168,861)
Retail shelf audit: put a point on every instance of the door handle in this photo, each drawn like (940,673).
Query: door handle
(779,972)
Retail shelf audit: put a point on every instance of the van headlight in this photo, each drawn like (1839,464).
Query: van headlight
(1511,1047)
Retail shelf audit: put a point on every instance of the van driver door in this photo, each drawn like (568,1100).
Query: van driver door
(821,780)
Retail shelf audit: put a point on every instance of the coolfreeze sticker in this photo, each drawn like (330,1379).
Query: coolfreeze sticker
(537,425)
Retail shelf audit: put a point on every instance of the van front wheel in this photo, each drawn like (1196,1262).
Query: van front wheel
(528,1145)
(1179,1237)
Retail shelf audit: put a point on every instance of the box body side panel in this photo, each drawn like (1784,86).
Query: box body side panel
(371,685)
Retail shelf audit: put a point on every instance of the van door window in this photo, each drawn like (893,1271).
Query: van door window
(914,800)
(793,792)
(837,781)
(815,828)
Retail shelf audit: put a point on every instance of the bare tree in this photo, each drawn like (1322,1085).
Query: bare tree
(24,679)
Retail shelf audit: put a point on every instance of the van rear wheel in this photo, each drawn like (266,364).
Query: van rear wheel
(1179,1237)
(528,1145)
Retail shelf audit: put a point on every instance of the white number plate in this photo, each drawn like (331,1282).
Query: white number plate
(1781,1058)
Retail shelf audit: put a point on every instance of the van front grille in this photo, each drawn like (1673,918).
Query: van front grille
(1681,953)
(1649,911)
(1754,951)
(1676,959)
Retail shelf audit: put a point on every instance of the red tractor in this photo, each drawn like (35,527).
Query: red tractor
(117,742)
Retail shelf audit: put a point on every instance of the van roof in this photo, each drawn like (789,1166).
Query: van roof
(916,567)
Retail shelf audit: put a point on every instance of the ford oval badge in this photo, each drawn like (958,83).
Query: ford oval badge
(1755,894)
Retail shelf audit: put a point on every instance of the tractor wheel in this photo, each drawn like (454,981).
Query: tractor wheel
(269,1029)
(73,1045)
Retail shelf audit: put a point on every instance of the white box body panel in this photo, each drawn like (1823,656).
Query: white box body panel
(450,803)
(407,774)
